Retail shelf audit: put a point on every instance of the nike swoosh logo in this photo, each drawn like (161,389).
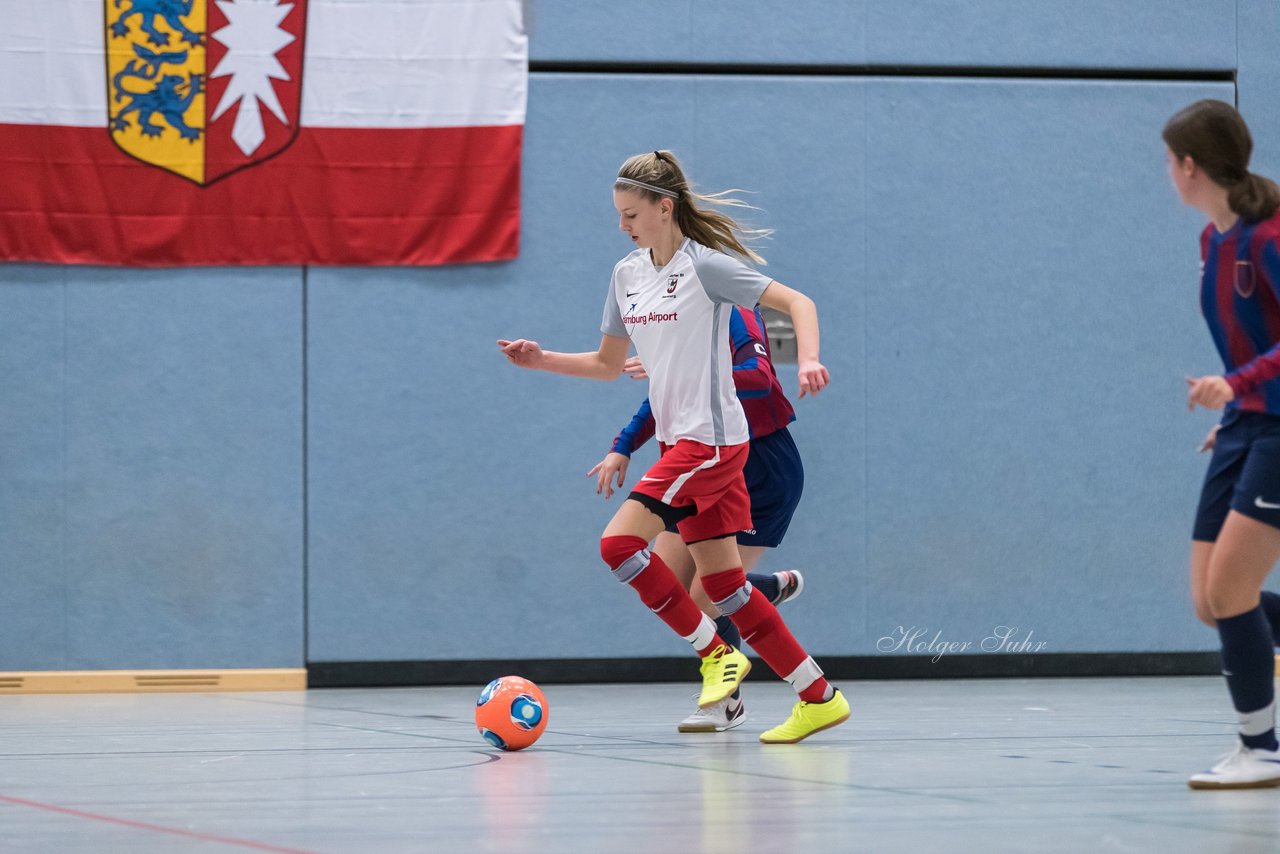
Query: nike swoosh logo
(652,479)
(663,605)
(1264,505)
(632,294)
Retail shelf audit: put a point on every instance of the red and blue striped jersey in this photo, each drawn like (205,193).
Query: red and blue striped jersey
(754,378)
(1242,308)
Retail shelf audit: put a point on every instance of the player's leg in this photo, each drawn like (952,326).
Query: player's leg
(821,706)
(757,619)
(624,546)
(1244,554)
(774,475)
(777,587)
(1246,545)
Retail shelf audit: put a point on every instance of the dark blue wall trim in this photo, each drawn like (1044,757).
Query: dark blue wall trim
(368,674)
(1221,75)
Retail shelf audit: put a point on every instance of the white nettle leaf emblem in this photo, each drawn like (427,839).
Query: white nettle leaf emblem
(252,37)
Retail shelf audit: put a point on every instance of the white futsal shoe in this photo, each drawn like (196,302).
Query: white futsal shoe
(790,585)
(1242,768)
(718,717)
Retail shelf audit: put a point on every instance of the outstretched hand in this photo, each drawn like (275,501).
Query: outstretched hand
(814,377)
(614,465)
(521,352)
(1209,392)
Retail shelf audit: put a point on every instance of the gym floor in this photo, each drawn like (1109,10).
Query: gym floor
(1036,765)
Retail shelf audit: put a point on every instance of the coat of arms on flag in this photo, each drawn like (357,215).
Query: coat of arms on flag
(203,89)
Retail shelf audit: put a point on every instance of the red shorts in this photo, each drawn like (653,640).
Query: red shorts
(707,477)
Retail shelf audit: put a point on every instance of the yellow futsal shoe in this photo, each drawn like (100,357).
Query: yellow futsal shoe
(808,718)
(722,672)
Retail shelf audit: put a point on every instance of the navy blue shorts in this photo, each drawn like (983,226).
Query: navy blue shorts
(1243,475)
(775,480)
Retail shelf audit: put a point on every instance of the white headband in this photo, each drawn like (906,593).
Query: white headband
(659,190)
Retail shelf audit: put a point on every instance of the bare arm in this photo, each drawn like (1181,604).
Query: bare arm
(804,317)
(604,364)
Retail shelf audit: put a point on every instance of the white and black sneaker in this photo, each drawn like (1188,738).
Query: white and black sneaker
(790,585)
(718,717)
(1242,768)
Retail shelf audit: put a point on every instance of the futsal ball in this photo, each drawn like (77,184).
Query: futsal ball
(511,713)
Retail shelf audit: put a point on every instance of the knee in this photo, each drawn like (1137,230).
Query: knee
(626,556)
(1223,599)
(728,591)
(1218,605)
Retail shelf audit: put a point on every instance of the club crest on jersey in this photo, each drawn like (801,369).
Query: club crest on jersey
(203,89)
(672,281)
(1244,279)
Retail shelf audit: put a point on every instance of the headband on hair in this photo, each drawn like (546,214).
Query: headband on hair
(650,187)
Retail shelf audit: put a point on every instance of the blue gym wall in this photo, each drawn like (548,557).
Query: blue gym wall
(264,467)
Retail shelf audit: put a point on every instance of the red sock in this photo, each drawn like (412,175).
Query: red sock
(660,590)
(768,635)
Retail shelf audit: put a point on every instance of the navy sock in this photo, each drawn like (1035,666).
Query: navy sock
(767,584)
(728,632)
(1271,607)
(1248,662)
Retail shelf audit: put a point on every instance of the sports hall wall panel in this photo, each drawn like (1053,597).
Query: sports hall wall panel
(151,511)
(1033,461)
(1007,284)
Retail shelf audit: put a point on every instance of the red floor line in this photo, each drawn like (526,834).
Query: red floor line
(157,828)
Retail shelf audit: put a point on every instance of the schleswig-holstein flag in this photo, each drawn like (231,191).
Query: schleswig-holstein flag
(170,132)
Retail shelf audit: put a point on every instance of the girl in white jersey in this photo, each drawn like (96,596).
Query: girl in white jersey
(672,299)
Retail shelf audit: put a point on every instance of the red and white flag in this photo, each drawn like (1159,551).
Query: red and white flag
(172,132)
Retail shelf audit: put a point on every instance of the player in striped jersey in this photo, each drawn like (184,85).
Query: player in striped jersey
(672,298)
(1236,538)
(774,475)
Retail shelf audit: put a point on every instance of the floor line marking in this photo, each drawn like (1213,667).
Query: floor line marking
(155,828)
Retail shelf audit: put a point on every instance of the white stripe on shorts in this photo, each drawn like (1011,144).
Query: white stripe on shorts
(670,494)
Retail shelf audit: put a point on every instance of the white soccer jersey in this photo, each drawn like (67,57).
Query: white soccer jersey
(678,318)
